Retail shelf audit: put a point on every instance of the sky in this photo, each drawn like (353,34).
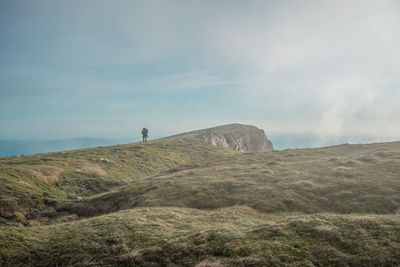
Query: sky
(106,69)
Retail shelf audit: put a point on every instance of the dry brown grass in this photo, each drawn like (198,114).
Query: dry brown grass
(208,263)
(274,163)
(131,256)
(24,183)
(307,185)
(45,173)
(20,217)
(92,170)
(342,169)
(233,167)
(326,229)
(353,163)
(367,159)
(387,154)
(365,220)
(267,171)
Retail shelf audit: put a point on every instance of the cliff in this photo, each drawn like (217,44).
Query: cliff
(236,136)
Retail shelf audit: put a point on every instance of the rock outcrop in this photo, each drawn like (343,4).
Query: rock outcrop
(236,136)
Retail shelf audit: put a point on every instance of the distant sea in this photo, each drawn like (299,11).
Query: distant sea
(279,141)
(27,147)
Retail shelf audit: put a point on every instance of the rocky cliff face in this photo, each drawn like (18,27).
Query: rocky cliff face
(236,136)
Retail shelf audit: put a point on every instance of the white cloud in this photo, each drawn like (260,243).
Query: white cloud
(339,56)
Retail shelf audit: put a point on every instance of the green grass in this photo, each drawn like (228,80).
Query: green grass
(30,186)
(237,236)
(179,202)
(341,179)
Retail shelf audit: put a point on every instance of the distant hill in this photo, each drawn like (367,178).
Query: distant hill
(27,147)
(188,201)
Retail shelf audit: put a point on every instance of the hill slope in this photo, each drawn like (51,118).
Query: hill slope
(32,186)
(183,201)
(340,179)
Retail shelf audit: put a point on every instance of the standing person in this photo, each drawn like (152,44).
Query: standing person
(145,134)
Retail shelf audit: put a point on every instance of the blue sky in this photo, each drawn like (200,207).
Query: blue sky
(105,69)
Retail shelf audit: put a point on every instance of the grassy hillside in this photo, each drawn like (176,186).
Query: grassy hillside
(180,202)
(341,179)
(31,187)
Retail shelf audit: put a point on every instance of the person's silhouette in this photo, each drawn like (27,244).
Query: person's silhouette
(145,134)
